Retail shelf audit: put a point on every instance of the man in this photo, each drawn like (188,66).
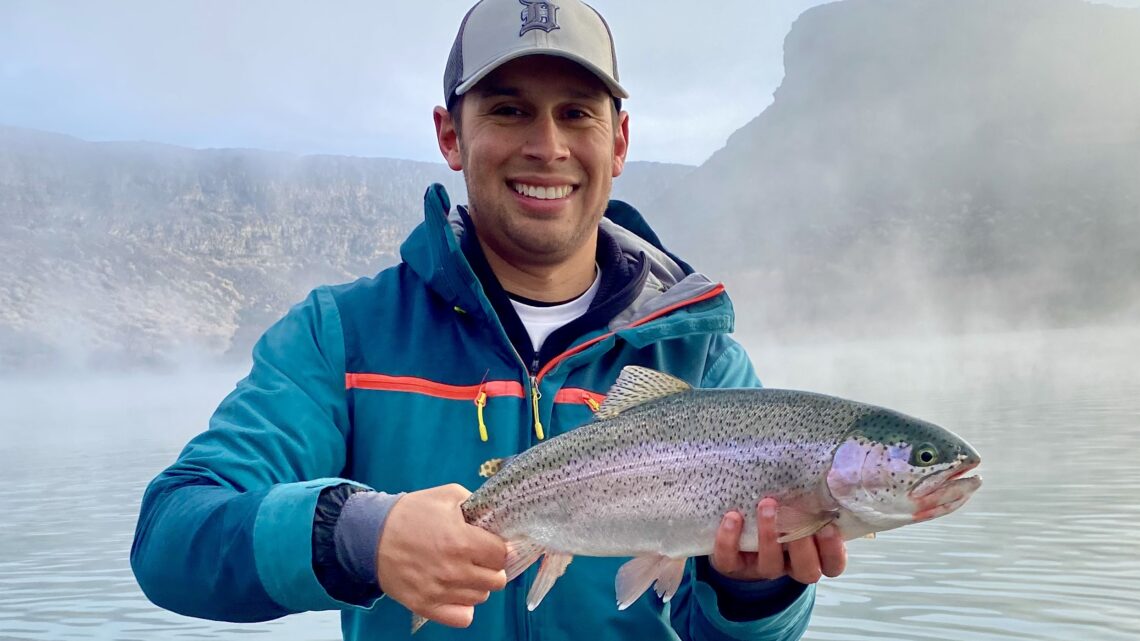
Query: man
(503,326)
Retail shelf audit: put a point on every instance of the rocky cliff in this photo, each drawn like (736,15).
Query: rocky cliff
(956,162)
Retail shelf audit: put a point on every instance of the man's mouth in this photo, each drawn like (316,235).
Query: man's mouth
(542,192)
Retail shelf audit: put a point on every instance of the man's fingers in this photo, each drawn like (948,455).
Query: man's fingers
(485,580)
(454,615)
(770,554)
(467,596)
(486,549)
(453,492)
(804,559)
(832,551)
(726,551)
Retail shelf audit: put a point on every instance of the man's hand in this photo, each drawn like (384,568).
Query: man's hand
(433,562)
(805,560)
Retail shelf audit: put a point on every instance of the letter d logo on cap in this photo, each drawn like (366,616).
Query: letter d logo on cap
(538,15)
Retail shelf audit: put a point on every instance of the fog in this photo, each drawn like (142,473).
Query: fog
(924,169)
(931,167)
(1045,550)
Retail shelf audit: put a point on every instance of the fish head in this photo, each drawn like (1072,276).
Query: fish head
(891,470)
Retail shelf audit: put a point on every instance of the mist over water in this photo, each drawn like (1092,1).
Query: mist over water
(1047,548)
(934,186)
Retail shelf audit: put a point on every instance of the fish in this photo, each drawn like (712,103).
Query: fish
(662,462)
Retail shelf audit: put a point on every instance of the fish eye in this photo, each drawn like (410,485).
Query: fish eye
(924,455)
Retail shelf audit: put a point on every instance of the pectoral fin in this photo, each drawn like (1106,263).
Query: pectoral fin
(521,554)
(797,524)
(638,574)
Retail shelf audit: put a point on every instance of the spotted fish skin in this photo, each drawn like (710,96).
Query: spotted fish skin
(655,476)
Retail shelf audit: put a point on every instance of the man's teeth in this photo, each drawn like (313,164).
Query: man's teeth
(544,193)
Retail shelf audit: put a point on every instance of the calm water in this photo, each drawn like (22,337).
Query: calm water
(1048,548)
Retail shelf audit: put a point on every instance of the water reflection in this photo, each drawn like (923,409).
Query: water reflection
(1047,549)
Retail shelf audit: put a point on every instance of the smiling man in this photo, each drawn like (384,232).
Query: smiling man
(332,477)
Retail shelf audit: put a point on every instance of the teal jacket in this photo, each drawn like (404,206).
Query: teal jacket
(407,381)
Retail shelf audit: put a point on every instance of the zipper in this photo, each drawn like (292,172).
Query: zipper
(481,393)
(480,403)
(534,395)
(554,362)
(387,383)
(537,374)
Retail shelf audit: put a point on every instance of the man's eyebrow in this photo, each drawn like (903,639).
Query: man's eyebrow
(587,95)
(498,91)
(493,91)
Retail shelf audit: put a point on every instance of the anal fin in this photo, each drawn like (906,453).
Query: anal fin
(638,574)
(553,565)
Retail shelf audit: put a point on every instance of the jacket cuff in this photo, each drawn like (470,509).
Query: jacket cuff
(283,547)
(342,570)
(748,600)
(787,624)
(357,534)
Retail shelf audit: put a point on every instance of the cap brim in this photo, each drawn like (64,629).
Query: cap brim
(616,89)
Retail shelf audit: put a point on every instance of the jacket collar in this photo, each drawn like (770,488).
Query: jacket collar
(433,251)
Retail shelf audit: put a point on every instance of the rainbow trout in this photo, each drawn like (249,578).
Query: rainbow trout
(653,475)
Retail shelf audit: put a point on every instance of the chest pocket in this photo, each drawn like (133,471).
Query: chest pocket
(412,433)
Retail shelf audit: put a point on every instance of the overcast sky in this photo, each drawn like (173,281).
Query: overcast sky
(357,77)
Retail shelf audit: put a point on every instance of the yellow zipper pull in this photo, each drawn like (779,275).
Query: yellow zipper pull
(480,403)
(534,397)
(594,405)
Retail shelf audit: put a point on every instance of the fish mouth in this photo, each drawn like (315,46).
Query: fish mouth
(950,477)
(942,493)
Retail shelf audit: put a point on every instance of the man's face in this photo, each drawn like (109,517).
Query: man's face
(539,150)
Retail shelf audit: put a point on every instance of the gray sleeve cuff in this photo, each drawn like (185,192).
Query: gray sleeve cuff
(357,532)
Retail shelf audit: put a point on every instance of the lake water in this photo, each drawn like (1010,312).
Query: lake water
(1049,548)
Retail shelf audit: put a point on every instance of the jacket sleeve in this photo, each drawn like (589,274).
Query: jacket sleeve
(697,611)
(226,531)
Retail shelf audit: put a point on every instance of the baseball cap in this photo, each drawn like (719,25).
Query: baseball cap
(497,31)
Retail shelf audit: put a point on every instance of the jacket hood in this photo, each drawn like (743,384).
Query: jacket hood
(433,252)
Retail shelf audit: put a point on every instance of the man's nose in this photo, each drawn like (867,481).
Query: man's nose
(546,141)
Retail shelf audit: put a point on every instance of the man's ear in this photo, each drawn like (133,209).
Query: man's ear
(448,138)
(621,142)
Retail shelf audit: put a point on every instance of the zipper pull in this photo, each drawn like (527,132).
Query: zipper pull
(593,405)
(534,398)
(480,403)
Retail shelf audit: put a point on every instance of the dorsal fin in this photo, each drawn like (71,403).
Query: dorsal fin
(636,385)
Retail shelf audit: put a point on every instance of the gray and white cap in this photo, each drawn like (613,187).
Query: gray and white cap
(497,31)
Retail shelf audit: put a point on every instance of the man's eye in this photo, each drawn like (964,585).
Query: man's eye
(506,111)
(575,114)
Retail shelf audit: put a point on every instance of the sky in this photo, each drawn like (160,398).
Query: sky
(357,77)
